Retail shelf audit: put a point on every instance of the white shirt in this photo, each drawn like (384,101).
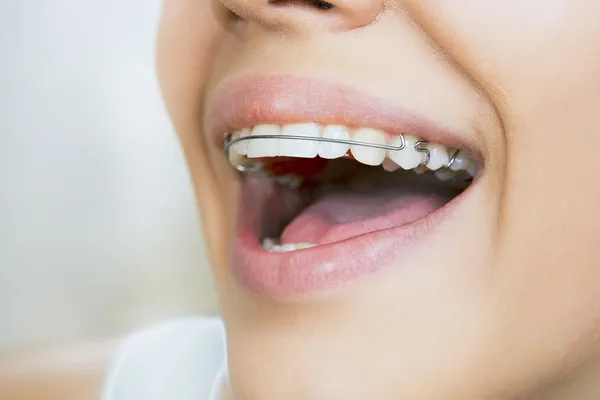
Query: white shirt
(179,360)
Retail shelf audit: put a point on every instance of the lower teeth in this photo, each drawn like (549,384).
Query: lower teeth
(273,246)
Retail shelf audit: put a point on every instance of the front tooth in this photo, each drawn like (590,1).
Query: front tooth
(408,157)
(264,147)
(268,244)
(284,248)
(302,246)
(461,162)
(300,148)
(368,155)
(438,156)
(281,248)
(332,150)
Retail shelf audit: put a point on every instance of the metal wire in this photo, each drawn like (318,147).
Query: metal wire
(229,142)
(425,151)
(254,167)
(451,161)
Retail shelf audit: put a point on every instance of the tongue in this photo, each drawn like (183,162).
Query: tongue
(345,213)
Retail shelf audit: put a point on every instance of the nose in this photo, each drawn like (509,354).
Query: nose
(307,15)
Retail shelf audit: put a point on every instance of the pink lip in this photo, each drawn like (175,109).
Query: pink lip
(250,101)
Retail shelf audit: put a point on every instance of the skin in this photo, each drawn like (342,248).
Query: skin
(69,372)
(508,304)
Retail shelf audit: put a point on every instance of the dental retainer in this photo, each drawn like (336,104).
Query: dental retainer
(255,167)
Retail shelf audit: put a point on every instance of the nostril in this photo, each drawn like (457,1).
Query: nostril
(318,4)
(321,5)
(303,16)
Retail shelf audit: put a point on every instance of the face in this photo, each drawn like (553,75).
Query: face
(408,290)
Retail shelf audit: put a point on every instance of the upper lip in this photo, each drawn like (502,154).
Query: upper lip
(249,101)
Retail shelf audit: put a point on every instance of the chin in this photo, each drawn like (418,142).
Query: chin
(349,257)
(390,219)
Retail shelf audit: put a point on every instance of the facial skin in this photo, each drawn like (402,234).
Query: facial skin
(508,304)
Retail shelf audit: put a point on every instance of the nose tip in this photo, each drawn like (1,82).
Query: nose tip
(307,15)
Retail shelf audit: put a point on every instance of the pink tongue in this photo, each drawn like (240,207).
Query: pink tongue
(347,213)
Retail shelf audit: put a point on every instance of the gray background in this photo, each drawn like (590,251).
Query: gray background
(98,229)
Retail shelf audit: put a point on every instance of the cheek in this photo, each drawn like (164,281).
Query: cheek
(539,63)
(512,47)
(187,43)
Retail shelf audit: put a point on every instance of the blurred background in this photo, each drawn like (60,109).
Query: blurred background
(98,230)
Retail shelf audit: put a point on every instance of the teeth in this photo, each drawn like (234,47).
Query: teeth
(408,157)
(472,168)
(268,243)
(421,169)
(264,147)
(240,148)
(389,165)
(284,248)
(235,148)
(334,150)
(461,162)
(445,174)
(368,155)
(235,157)
(274,247)
(438,156)
(243,145)
(300,148)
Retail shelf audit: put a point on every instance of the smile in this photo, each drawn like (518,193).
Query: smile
(329,191)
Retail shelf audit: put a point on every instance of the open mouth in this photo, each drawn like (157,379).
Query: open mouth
(343,182)
(335,183)
(311,187)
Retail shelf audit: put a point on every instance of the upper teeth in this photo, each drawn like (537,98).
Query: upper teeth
(409,157)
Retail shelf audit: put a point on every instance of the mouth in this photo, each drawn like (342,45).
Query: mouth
(324,202)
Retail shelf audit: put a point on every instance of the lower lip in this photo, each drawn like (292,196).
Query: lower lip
(324,267)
